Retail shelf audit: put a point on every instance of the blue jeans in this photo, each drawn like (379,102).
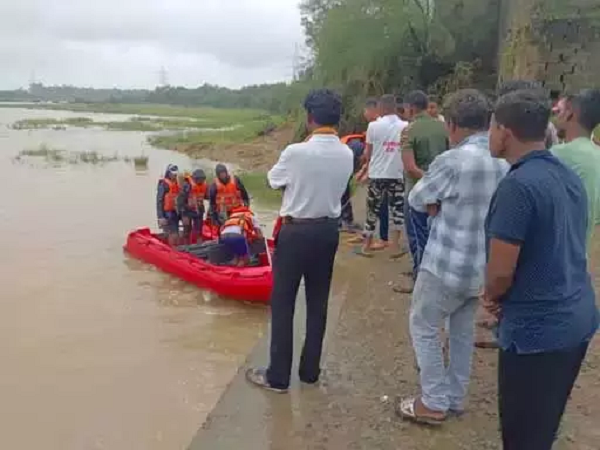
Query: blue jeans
(417,233)
(433,306)
(384,220)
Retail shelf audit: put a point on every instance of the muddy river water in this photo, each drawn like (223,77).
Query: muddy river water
(97,350)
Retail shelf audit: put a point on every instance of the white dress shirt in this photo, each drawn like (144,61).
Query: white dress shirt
(314,174)
(384,136)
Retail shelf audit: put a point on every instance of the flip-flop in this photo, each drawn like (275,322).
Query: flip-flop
(487,345)
(405,409)
(377,247)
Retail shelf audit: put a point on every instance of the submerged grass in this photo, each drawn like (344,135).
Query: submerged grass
(29,124)
(58,156)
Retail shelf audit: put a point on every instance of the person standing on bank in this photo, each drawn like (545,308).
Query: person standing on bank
(422,141)
(537,281)
(314,175)
(385,175)
(456,192)
(578,116)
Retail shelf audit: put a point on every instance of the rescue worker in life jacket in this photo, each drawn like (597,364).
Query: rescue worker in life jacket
(166,204)
(190,204)
(226,193)
(238,233)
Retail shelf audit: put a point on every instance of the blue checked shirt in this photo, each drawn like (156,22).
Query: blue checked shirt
(462,182)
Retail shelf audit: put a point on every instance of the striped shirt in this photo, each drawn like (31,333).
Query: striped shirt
(462,181)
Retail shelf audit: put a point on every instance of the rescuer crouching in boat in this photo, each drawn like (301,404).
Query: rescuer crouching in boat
(166,204)
(190,204)
(225,194)
(238,235)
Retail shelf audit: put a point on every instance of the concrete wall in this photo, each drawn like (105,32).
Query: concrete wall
(554,41)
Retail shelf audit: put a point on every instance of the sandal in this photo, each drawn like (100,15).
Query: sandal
(405,409)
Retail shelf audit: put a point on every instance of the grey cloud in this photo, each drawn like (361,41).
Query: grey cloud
(234,42)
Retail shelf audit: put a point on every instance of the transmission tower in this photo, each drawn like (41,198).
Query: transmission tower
(163,77)
(296,63)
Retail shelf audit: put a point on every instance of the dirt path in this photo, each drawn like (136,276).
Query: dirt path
(369,360)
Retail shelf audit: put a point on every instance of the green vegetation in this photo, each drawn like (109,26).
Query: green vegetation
(257,186)
(193,126)
(59,156)
(243,132)
(28,124)
(140,162)
(278,98)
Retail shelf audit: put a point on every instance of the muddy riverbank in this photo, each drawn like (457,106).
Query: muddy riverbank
(368,362)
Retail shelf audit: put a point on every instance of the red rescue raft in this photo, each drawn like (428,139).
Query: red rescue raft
(252,284)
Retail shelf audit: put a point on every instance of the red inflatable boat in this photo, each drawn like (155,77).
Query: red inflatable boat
(252,284)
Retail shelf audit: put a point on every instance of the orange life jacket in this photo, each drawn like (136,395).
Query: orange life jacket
(351,137)
(241,217)
(170,200)
(197,194)
(228,196)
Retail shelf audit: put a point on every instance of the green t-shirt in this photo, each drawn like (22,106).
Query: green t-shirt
(426,137)
(583,157)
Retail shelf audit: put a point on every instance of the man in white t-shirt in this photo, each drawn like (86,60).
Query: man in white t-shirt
(385,172)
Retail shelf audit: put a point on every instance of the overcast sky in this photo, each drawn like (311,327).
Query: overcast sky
(106,43)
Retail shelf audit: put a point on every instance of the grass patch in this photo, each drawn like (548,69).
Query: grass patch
(33,124)
(140,162)
(46,152)
(58,156)
(191,126)
(257,185)
(204,113)
(243,132)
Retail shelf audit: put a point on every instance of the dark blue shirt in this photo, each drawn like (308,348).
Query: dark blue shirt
(541,205)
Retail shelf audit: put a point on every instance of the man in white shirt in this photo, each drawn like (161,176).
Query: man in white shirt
(314,175)
(385,172)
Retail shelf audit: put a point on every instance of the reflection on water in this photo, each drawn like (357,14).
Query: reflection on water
(100,351)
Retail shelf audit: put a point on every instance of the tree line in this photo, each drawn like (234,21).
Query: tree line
(359,47)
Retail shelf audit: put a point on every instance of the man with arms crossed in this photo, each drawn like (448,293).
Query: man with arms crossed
(456,192)
(537,282)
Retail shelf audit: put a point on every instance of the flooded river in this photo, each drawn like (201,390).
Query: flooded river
(98,350)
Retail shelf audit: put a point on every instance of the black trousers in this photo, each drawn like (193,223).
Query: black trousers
(347,210)
(533,390)
(306,251)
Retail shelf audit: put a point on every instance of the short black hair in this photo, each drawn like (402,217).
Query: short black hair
(325,106)
(417,99)
(388,102)
(526,113)
(468,108)
(517,85)
(371,102)
(587,102)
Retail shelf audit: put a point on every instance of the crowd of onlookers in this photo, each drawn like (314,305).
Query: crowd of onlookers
(497,214)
